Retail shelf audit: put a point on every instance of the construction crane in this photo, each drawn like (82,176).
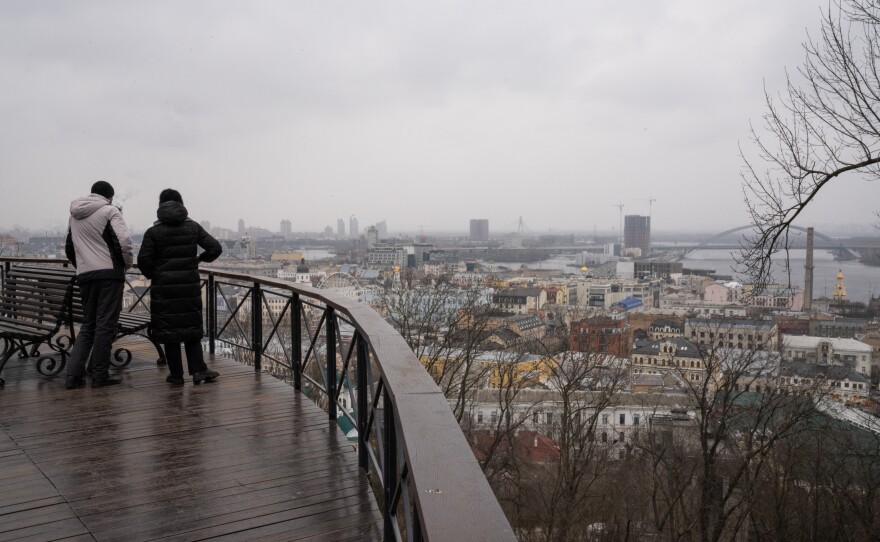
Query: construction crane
(650,200)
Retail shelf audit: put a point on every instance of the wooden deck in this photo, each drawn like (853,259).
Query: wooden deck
(242,458)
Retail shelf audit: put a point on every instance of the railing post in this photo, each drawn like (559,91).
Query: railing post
(257,325)
(331,362)
(296,340)
(389,468)
(363,358)
(211,309)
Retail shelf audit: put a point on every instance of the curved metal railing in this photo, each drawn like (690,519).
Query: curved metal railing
(346,358)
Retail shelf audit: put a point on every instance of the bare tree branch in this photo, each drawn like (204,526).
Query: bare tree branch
(825,125)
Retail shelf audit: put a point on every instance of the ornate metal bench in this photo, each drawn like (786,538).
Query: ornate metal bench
(33,303)
(36,302)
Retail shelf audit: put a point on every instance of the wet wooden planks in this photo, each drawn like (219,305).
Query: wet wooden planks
(244,457)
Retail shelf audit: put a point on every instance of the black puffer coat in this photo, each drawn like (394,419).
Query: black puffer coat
(169,256)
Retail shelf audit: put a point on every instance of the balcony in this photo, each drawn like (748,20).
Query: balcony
(258,454)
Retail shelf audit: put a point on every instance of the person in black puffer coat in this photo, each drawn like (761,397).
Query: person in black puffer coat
(169,257)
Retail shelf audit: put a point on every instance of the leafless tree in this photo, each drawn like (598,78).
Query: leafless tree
(495,442)
(445,325)
(825,125)
(563,495)
(706,481)
(825,480)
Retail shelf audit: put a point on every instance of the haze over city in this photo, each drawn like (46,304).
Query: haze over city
(421,115)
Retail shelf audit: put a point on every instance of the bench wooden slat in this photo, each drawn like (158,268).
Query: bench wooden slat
(41,277)
(17,331)
(33,324)
(42,274)
(32,288)
(31,311)
(52,302)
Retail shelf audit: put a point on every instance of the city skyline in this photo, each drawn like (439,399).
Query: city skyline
(833,229)
(557,114)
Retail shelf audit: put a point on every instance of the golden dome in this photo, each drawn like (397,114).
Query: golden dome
(839,288)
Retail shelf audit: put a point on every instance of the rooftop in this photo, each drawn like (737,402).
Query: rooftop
(807,341)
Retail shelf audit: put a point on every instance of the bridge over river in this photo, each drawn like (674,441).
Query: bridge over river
(848,249)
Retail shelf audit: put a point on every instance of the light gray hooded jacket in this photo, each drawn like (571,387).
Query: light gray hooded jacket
(98,241)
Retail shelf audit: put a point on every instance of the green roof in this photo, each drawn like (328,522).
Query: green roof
(347,428)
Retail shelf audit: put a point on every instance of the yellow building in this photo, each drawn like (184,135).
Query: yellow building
(494,369)
(287,256)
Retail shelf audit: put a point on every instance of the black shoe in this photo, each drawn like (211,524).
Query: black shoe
(74,382)
(161,361)
(176,380)
(205,376)
(100,383)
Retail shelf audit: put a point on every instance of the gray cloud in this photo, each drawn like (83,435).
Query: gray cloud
(421,114)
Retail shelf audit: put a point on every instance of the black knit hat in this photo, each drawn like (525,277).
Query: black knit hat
(170,194)
(103,188)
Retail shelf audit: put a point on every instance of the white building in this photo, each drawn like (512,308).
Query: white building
(828,351)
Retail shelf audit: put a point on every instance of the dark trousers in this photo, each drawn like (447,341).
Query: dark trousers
(102,301)
(195,358)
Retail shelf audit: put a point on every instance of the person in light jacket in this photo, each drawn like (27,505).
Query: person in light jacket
(169,257)
(99,247)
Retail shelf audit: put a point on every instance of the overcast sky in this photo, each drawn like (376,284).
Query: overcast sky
(424,114)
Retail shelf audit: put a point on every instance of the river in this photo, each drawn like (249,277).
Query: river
(861,281)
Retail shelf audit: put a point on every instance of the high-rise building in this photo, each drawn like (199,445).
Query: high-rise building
(286,229)
(241,228)
(637,233)
(340,228)
(353,229)
(372,237)
(479,229)
(382,228)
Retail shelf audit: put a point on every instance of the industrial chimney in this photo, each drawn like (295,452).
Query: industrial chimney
(808,273)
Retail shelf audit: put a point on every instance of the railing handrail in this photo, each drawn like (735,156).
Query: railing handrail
(453,499)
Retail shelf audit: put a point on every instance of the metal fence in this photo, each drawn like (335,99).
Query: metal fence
(351,362)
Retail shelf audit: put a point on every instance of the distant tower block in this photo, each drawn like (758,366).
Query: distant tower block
(637,232)
(808,273)
(479,229)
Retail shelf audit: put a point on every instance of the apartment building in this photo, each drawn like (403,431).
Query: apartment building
(673,355)
(732,333)
(828,351)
